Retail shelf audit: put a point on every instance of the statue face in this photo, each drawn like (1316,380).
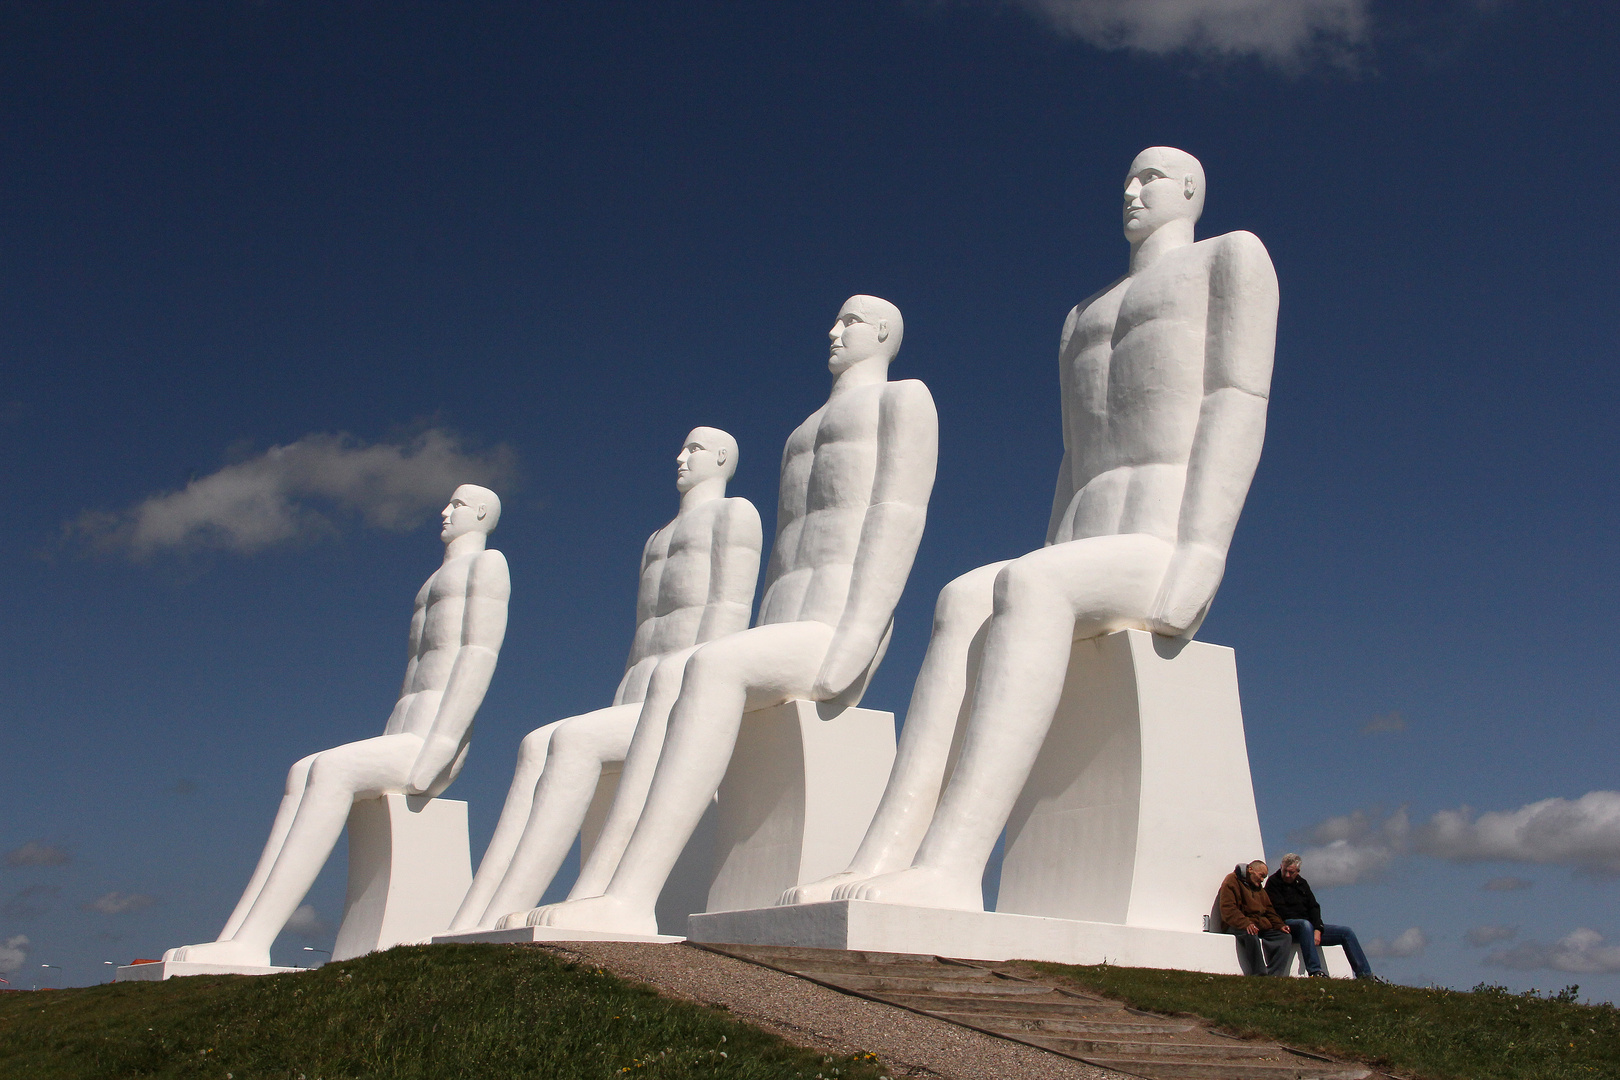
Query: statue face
(699,460)
(1159,189)
(464,513)
(854,339)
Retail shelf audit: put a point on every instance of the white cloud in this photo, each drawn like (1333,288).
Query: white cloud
(1507,884)
(1581,952)
(1583,833)
(1354,848)
(306,923)
(13,954)
(1386,723)
(1480,936)
(285,494)
(1276,30)
(1410,943)
(34,853)
(117,903)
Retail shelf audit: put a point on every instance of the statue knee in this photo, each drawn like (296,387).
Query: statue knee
(534,746)
(1018,583)
(298,775)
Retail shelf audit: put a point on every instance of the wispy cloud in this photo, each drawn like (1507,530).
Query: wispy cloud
(35,853)
(1385,724)
(1580,952)
(117,903)
(1480,936)
(1276,30)
(1355,847)
(1583,834)
(13,953)
(292,493)
(307,923)
(1507,884)
(1410,943)
(29,902)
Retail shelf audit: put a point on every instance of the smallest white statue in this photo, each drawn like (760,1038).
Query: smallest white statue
(456,632)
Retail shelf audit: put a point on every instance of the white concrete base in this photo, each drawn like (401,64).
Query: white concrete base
(526,934)
(1140,801)
(409,867)
(975,935)
(169,969)
(800,791)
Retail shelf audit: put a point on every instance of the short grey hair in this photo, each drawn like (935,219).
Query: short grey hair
(1289,859)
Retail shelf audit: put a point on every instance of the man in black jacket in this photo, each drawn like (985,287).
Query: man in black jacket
(1292,897)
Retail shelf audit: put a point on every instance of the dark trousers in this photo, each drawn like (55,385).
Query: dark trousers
(1269,952)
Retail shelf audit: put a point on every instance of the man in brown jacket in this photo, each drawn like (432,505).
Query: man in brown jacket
(1246,912)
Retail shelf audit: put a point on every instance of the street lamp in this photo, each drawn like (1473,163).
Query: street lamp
(55,968)
(311,948)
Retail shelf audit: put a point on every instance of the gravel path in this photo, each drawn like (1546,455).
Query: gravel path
(814,1016)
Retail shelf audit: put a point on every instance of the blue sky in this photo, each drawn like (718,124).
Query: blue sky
(541,242)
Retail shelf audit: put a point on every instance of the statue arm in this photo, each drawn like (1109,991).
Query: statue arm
(1063,493)
(733,570)
(907,454)
(1231,428)
(483,628)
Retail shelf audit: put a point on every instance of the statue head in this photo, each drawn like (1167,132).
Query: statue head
(867,328)
(707,454)
(471,509)
(1164,185)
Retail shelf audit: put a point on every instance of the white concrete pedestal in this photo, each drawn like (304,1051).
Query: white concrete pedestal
(409,867)
(793,807)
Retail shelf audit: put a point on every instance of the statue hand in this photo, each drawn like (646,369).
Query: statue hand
(437,755)
(1188,588)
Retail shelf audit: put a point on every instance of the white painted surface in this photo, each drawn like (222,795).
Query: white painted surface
(523,934)
(797,798)
(1140,801)
(170,969)
(409,867)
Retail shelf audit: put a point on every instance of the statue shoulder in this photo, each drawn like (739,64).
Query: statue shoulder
(740,522)
(908,394)
(490,576)
(1241,249)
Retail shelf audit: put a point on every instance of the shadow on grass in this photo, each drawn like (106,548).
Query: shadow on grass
(443,1012)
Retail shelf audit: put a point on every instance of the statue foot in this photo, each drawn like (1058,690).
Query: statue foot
(221,952)
(919,886)
(814,892)
(604,913)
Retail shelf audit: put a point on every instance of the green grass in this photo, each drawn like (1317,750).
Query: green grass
(1433,1034)
(489,1012)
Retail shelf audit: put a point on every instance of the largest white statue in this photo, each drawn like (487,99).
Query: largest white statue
(1165,376)
(855,481)
(457,628)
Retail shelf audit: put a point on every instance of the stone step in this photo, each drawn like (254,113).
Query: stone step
(899,970)
(1020,1024)
(867,984)
(1157,1068)
(775,954)
(1168,1046)
(1055,1005)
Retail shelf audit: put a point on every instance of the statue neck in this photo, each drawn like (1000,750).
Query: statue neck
(1167,237)
(873,371)
(707,491)
(468,543)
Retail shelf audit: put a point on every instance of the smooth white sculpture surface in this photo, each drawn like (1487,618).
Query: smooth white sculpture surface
(457,628)
(409,867)
(1165,376)
(855,481)
(697,584)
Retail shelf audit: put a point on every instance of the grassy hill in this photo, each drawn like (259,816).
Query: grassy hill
(440,1013)
(1428,1033)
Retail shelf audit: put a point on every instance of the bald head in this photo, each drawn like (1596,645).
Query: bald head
(471,509)
(707,454)
(1164,185)
(868,327)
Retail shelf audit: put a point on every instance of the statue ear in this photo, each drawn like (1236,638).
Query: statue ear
(1189,189)
(883,330)
(720,456)
(483,511)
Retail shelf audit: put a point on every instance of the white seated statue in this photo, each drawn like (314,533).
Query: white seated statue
(855,481)
(1164,376)
(457,628)
(697,584)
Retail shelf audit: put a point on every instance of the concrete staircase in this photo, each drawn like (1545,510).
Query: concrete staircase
(1088,1029)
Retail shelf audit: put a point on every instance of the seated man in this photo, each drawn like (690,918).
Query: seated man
(1292,897)
(456,634)
(1246,912)
(697,584)
(855,480)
